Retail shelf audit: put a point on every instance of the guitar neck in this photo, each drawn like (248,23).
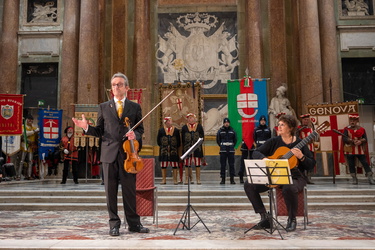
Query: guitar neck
(301,144)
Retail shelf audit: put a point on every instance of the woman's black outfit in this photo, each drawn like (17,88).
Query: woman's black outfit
(290,192)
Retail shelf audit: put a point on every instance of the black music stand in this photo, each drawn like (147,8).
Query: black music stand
(185,218)
(269,172)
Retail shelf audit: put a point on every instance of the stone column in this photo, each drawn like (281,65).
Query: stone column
(9,47)
(310,56)
(103,63)
(278,62)
(254,60)
(142,62)
(330,60)
(119,36)
(88,61)
(69,59)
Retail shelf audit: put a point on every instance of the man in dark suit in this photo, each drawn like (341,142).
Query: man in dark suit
(111,129)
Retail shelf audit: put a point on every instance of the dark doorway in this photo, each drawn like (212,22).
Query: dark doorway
(39,82)
(358,76)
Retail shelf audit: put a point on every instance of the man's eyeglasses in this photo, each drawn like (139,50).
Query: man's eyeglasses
(119,85)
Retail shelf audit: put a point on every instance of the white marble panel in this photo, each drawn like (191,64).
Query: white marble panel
(39,45)
(357,40)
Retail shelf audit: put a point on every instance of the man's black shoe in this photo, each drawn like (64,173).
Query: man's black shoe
(114,231)
(139,229)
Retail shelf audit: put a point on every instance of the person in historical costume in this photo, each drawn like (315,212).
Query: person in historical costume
(112,129)
(190,133)
(355,140)
(279,104)
(29,146)
(70,153)
(277,146)
(303,131)
(169,142)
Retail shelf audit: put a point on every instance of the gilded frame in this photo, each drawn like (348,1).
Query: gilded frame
(184,100)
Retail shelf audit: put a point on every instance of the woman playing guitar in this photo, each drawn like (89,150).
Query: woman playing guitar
(286,146)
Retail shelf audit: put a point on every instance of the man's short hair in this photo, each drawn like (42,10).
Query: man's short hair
(119,74)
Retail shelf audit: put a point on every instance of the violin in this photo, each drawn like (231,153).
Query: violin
(133,163)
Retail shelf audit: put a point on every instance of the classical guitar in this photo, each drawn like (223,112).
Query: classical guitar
(347,147)
(286,153)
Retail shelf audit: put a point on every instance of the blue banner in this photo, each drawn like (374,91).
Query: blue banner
(50,123)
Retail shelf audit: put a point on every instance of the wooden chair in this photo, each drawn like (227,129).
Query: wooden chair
(147,197)
(281,210)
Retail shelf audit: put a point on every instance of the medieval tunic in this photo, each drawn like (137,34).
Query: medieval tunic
(305,132)
(357,151)
(32,139)
(169,141)
(355,134)
(67,143)
(71,158)
(190,134)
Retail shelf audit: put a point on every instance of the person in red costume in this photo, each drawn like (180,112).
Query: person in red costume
(303,131)
(355,140)
(70,155)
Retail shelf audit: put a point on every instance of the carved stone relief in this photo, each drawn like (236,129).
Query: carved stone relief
(41,12)
(356,8)
(198,47)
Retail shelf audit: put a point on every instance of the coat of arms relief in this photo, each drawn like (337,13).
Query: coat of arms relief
(197,47)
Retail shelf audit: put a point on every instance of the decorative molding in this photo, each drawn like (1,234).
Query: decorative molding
(214,96)
(40,32)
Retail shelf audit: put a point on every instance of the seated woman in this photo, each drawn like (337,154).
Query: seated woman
(287,126)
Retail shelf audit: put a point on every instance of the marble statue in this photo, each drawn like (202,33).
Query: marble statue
(279,104)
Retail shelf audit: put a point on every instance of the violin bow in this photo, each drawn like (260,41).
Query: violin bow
(157,105)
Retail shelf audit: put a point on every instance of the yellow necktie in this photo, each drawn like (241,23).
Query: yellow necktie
(120,109)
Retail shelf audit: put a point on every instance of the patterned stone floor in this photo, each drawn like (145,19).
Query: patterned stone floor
(223,225)
(345,229)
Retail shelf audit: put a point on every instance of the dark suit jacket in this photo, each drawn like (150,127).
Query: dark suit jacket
(112,130)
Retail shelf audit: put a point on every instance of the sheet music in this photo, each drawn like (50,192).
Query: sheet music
(256,171)
(280,171)
(259,171)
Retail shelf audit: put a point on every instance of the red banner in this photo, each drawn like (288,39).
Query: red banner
(11,114)
(135,95)
(337,115)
